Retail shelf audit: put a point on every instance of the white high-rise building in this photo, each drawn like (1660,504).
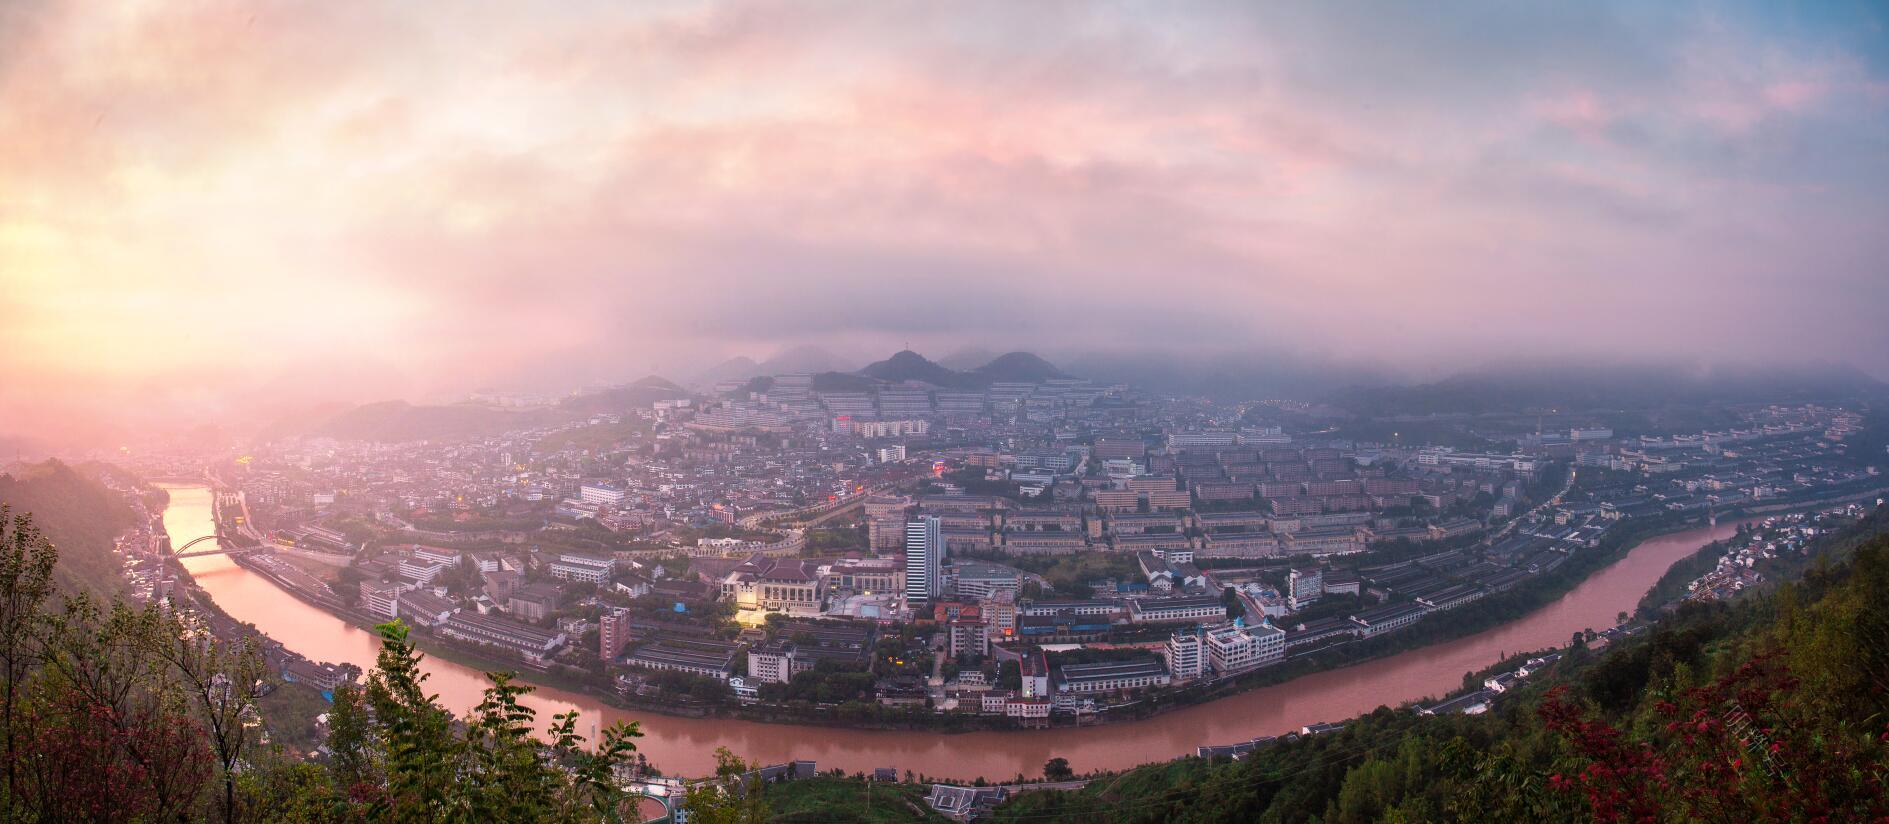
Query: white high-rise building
(1185,659)
(924,560)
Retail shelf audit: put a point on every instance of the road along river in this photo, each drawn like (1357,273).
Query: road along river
(686,746)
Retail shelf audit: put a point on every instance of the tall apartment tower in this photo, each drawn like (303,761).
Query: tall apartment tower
(613,633)
(924,560)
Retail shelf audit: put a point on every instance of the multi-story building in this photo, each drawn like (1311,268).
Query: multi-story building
(532,602)
(1113,676)
(1178,499)
(885,522)
(436,555)
(1056,607)
(529,642)
(709,658)
(422,571)
(601,494)
(1000,612)
(613,633)
(580,566)
(1033,667)
(1330,541)
(977,580)
(776,585)
(500,584)
(1186,659)
(772,662)
(1044,543)
(422,608)
(1122,448)
(1197,440)
(1175,610)
(382,598)
(968,636)
(866,575)
(1374,622)
(1306,584)
(924,560)
(888,429)
(1233,648)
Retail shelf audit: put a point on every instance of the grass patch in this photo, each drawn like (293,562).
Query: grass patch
(828,799)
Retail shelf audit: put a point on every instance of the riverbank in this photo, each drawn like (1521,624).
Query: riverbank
(685,745)
(1493,612)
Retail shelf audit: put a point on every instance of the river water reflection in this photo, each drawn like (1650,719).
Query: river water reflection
(686,745)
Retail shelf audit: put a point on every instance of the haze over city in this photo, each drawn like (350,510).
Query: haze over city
(1089,411)
(212,210)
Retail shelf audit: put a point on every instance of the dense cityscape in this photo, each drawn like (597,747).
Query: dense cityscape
(746,412)
(1038,553)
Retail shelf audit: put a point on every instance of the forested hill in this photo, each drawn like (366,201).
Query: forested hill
(80,517)
(1775,708)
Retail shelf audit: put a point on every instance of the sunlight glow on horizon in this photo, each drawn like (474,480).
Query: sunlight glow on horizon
(207,207)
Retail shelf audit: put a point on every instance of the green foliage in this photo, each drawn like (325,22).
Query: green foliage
(120,713)
(735,797)
(826,683)
(1057,769)
(854,800)
(77,515)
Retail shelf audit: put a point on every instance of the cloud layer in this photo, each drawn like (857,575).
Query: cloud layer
(203,203)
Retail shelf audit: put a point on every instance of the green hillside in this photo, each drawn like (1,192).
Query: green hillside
(80,517)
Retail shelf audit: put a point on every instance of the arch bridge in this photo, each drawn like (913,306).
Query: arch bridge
(218,550)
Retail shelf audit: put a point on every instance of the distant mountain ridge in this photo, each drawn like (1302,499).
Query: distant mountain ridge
(398,421)
(906,365)
(798,360)
(1020,367)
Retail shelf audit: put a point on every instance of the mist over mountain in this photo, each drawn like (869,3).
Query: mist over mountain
(968,358)
(1230,376)
(738,368)
(1023,367)
(796,360)
(1542,386)
(396,421)
(799,360)
(907,365)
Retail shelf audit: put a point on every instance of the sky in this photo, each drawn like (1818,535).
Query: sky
(213,208)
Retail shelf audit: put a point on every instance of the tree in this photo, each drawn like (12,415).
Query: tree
(26,564)
(135,713)
(1057,769)
(497,770)
(734,797)
(351,743)
(414,730)
(113,725)
(224,679)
